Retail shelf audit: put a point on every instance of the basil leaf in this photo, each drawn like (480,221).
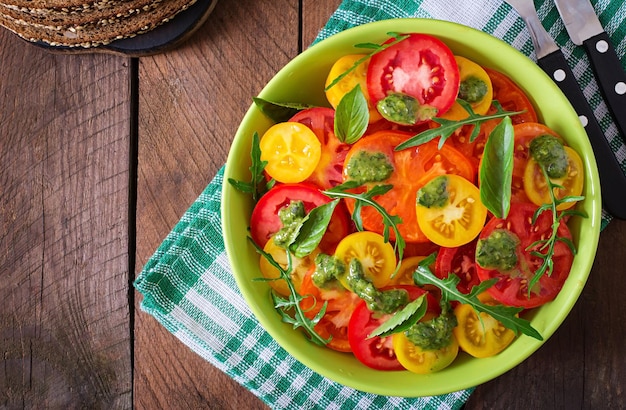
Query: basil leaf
(312,230)
(403,319)
(351,116)
(496,170)
(277,111)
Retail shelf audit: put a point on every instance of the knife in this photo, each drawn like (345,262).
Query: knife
(585,29)
(551,60)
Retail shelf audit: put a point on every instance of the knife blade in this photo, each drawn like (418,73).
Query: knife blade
(584,28)
(551,60)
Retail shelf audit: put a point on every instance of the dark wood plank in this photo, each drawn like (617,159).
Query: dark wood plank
(315,15)
(582,365)
(64,314)
(191,102)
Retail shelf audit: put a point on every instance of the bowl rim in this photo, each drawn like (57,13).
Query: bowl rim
(592,204)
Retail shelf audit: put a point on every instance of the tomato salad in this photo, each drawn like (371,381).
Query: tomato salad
(422,215)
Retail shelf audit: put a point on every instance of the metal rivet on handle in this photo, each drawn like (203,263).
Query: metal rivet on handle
(559,75)
(583,120)
(620,88)
(602,46)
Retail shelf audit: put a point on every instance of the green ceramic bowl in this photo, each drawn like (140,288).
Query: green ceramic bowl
(302,80)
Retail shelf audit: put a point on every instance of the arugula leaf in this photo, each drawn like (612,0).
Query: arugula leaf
(278,111)
(257,186)
(448,127)
(366,199)
(496,169)
(449,292)
(289,308)
(351,116)
(377,48)
(548,244)
(403,319)
(312,230)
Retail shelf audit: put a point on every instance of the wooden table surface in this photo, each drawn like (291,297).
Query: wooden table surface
(100,155)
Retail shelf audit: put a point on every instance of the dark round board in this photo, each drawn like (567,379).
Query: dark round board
(166,36)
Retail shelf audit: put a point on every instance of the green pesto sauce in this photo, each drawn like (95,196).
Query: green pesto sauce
(435,333)
(498,250)
(377,301)
(472,89)
(548,151)
(435,193)
(291,217)
(367,166)
(404,109)
(327,269)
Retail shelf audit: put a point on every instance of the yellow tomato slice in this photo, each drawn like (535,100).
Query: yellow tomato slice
(458,221)
(404,276)
(480,337)
(357,76)
(376,256)
(467,70)
(292,151)
(300,266)
(417,360)
(536,186)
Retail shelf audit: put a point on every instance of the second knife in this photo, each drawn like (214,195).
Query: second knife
(584,28)
(551,60)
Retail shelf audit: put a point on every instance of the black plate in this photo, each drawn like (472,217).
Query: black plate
(161,38)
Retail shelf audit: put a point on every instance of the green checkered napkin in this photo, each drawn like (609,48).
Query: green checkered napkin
(187,285)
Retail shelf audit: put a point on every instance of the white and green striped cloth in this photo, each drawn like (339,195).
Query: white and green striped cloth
(187,285)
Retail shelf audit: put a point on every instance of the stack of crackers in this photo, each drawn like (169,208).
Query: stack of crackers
(86,23)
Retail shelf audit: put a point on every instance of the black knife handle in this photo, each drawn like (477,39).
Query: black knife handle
(612,178)
(610,75)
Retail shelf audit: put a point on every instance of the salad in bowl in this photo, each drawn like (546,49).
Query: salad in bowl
(404,207)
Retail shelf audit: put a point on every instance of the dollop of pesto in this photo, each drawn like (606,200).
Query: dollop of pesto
(404,109)
(435,193)
(365,166)
(548,151)
(435,333)
(291,217)
(498,250)
(472,89)
(327,269)
(387,301)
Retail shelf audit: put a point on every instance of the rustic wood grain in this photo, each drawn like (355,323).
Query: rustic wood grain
(64,314)
(66,126)
(190,103)
(187,120)
(315,15)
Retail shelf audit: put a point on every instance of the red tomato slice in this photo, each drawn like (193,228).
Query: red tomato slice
(377,352)
(462,262)
(421,66)
(512,98)
(512,286)
(340,306)
(413,167)
(322,121)
(265,222)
